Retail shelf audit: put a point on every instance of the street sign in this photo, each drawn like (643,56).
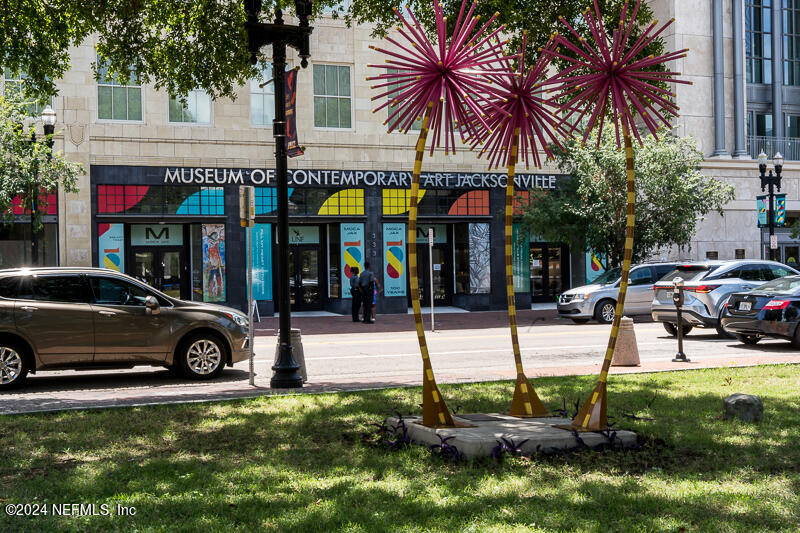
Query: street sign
(247,205)
(430,236)
(773,242)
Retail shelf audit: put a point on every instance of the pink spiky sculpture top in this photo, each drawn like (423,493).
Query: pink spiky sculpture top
(448,74)
(519,107)
(605,77)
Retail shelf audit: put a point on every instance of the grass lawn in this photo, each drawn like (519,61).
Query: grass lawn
(298,463)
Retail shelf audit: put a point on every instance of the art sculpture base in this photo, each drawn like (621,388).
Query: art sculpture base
(485,430)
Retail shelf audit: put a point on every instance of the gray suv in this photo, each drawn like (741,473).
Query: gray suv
(599,300)
(89,318)
(707,286)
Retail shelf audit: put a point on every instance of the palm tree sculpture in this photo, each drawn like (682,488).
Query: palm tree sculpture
(521,122)
(608,80)
(443,83)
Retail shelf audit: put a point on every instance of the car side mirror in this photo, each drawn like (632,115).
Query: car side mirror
(151,306)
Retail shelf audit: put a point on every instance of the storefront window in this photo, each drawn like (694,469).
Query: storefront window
(15,245)
(196,261)
(454,203)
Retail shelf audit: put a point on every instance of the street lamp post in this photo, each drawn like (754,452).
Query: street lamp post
(279,35)
(771,181)
(49,125)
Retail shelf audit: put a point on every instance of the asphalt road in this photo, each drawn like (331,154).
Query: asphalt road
(373,358)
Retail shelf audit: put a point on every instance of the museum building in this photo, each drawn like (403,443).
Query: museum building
(178,229)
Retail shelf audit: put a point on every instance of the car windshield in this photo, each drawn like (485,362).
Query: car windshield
(787,285)
(688,273)
(608,277)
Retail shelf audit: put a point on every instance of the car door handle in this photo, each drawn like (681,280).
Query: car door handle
(107,313)
(29,308)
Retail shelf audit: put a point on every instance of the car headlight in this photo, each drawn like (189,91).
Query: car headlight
(579,297)
(241,320)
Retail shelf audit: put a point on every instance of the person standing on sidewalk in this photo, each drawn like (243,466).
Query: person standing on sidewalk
(366,282)
(355,293)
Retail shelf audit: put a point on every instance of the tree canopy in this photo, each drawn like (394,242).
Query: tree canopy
(181,45)
(28,167)
(590,209)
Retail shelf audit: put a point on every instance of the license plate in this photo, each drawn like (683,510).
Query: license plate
(745,306)
(669,294)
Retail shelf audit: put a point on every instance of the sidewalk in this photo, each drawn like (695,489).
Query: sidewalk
(316,325)
(158,388)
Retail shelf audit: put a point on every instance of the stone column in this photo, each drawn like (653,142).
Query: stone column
(738,81)
(719,83)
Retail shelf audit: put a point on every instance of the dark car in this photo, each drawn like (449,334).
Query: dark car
(88,318)
(772,310)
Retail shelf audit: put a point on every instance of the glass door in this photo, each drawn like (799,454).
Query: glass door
(549,267)
(442,269)
(304,279)
(790,255)
(161,268)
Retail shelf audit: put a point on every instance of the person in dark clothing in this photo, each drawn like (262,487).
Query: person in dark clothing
(355,293)
(366,282)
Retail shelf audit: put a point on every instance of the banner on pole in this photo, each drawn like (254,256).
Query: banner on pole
(761,209)
(352,253)
(293,149)
(780,209)
(394,253)
(262,261)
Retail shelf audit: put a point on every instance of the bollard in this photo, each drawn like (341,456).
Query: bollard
(297,353)
(626,352)
(677,298)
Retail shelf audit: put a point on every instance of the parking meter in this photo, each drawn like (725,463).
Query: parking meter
(677,299)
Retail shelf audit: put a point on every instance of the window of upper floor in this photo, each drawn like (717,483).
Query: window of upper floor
(14,85)
(115,100)
(758,40)
(791,42)
(332,97)
(416,125)
(759,124)
(262,99)
(196,109)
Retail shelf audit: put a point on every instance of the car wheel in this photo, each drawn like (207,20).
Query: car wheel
(748,339)
(580,320)
(672,329)
(14,365)
(720,331)
(604,312)
(201,356)
(796,338)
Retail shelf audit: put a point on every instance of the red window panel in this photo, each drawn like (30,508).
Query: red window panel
(471,203)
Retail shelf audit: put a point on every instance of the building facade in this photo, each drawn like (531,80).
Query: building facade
(159,199)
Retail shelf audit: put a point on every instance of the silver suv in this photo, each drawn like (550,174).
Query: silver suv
(707,286)
(88,318)
(599,300)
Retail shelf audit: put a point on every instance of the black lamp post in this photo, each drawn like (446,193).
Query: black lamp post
(279,35)
(771,181)
(49,124)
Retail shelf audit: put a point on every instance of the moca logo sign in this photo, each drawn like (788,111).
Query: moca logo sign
(156,235)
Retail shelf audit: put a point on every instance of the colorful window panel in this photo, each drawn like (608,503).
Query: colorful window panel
(160,200)
(521,199)
(46,203)
(267,200)
(345,202)
(398,201)
(471,203)
(208,201)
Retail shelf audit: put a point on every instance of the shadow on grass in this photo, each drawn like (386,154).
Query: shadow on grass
(296,463)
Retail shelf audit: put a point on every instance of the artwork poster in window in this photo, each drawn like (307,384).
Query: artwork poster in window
(213,239)
(394,253)
(352,252)
(111,246)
